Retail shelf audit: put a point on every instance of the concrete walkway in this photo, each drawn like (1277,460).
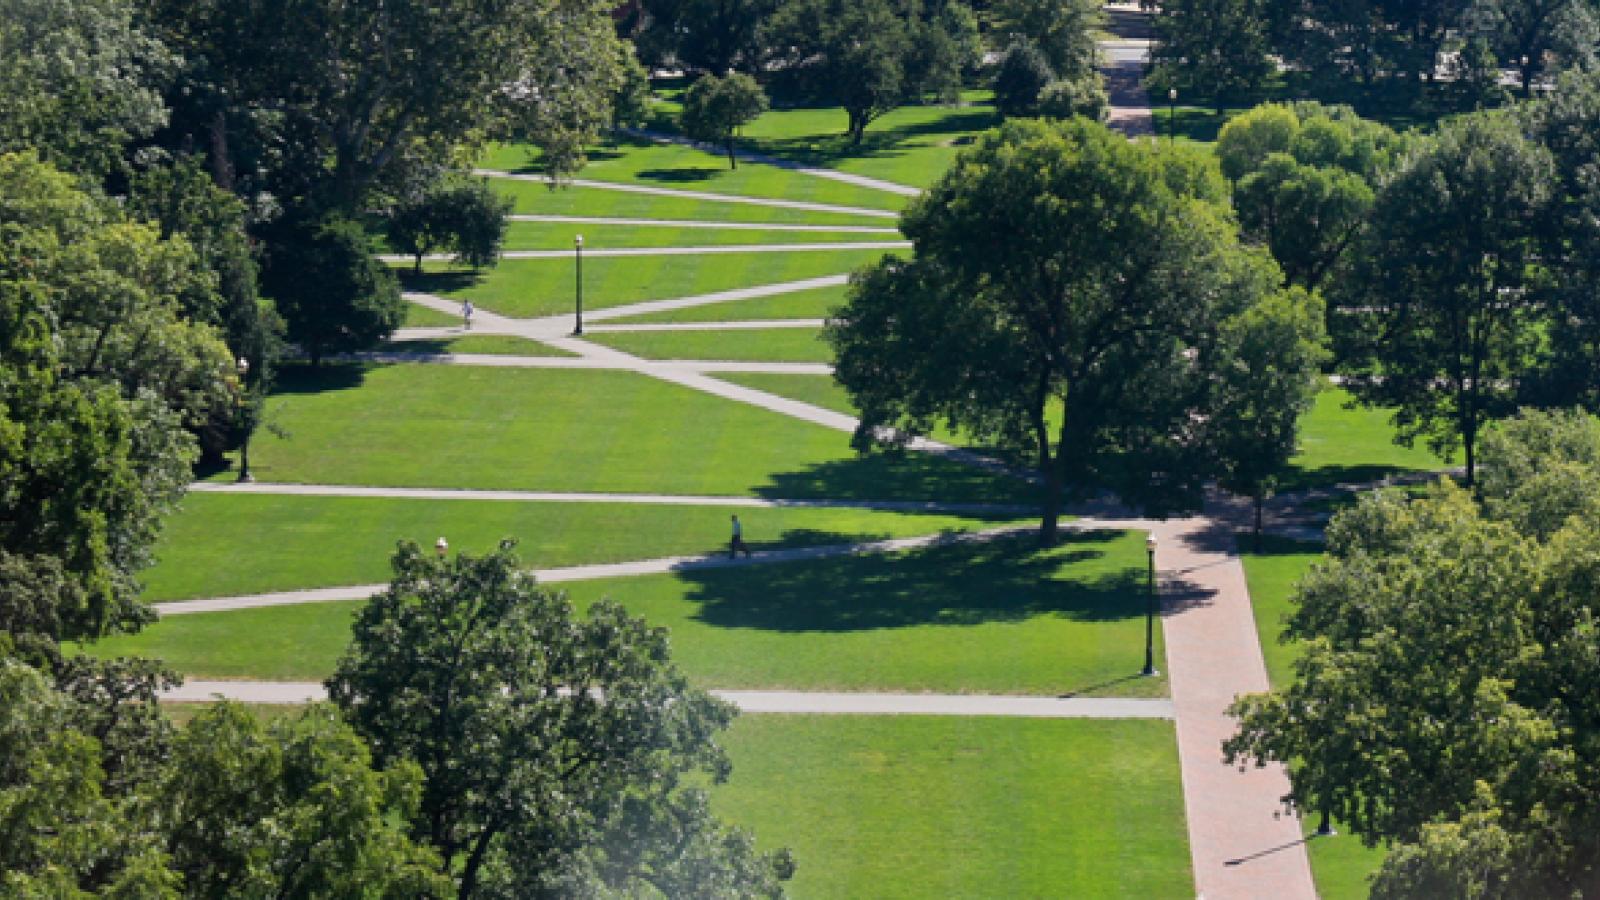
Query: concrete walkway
(933,507)
(706,196)
(696,223)
(751,325)
(662,566)
(643,366)
(704,250)
(1123,59)
(779,702)
(875,184)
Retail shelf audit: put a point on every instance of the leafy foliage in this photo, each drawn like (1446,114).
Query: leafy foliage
(334,296)
(714,109)
(1063,30)
(1019,79)
(557,752)
(1216,48)
(1445,699)
(465,216)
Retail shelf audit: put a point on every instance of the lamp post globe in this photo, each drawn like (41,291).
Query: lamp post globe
(243,367)
(1150,607)
(1172,115)
(441,547)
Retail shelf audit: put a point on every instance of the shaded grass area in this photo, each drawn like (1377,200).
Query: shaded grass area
(560,236)
(817,303)
(222,545)
(1337,444)
(640,161)
(1341,865)
(548,429)
(538,287)
(913,806)
(993,617)
(912,145)
(497,344)
(769,345)
(537,198)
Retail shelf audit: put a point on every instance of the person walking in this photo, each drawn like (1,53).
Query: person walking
(466,314)
(737,543)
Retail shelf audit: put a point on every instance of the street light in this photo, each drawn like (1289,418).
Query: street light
(1172,115)
(1150,608)
(244,403)
(577,248)
(441,547)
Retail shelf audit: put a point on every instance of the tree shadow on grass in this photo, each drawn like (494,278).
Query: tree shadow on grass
(815,149)
(963,583)
(1301,479)
(899,476)
(681,175)
(304,378)
(446,282)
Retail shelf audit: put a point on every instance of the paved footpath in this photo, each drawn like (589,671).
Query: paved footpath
(705,250)
(1241,843)
(696,223)
(781,702)
(875,184)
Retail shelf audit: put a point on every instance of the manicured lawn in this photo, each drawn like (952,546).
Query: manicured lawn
(995,617)
(770,345)
(498,344)
(549,429)
(638,161)
(222,545)
(912,145)
(1345,445)
(539,287)
(419,316)
(537,198)
(817,303)
(1342,864)
(1336,444)
(560,235)
(912,806)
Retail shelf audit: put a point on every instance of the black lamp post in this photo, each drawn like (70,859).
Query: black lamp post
(577,247)
(1150,608)
(441,547)
(244,405)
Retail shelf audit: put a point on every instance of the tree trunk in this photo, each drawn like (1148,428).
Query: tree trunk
(733,161)
(1468,441)
(1048,526)
(1259,499)
(417,269)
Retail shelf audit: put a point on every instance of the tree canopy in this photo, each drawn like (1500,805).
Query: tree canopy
(714,109)
(1059,270)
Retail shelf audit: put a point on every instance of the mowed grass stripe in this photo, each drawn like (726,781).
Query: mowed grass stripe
(774,345)
(910,806)
(999,617)
(535,198)
(525,288)
(220,545)
(816,303)
(596,431)
(561,235)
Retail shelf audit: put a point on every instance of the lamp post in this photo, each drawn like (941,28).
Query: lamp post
(244,404)
(1172,115)
(1150,608)
(441,547)
(577,248)
(1527,77)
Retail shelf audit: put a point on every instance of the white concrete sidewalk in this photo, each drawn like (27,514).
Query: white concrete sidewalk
(714,226)
(773,702)
(706,250)
(875,184)
(707,196)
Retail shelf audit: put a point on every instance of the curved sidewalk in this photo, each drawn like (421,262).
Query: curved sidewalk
(707,196)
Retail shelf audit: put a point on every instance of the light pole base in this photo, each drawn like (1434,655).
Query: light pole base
(245,478)
(1326,831)
(1149,673)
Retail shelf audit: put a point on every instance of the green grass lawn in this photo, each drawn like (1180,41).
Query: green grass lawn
(994,617)
(550,429)
(496,344)
(560,235)
(1344,445)
(1341,865)
(912,145)
(419,316)
(769,345)
(817,303)
(539,287)
(638,161)
(214,546)
(913,806)
(537,198)
(1336,444)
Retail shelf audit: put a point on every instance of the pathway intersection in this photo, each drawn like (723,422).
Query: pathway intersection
(1241,843)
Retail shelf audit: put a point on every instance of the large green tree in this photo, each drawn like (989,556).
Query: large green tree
(335,298)
(559,752)
(100,375)
(1304,180)
(714,109)
(1063,30)
(1058,268)
(715,36)
(320,103)
(1215,48)
(1441,313)
(1445,697)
